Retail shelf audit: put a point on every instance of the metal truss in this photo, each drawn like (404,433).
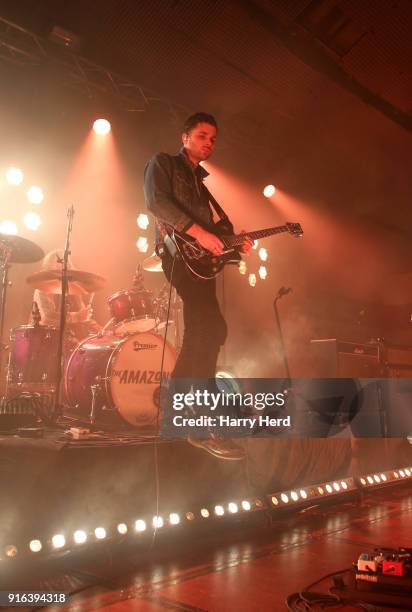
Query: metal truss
(27,50)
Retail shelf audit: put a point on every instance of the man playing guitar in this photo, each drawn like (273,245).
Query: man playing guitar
(176,195)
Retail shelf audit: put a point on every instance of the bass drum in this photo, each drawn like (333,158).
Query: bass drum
(123,374)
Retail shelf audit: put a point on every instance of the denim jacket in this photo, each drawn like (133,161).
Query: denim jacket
(175,194)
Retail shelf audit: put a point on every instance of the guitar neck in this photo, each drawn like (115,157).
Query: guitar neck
(238,239)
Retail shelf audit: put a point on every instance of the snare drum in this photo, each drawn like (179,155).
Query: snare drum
(33,356)
(123,375)
(132,310)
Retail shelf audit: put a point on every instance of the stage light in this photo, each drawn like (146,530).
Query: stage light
(263,254)
(140,525)
(35,546)
(233,508)
(258,503)
(14,176)
(35,195)
(344,485)
(369,479)
(255,244)
(219,510)
(102,126)
(80,536)
(8,227)
(100,533)
(58,540)
(294,495)
(190,516)
(10,550)
(269,191)
(205,513)
(321,490)
(142,244)
(336,486)
(242,267)
(143,221)
(263,272)
(329,488)
(363,481)
(122,528)
(252,280)
(32,221)
(246,505)
(384,477)
(275,501)
(284,498)
(303,494)
(377,478)
(174,519)
(157,522)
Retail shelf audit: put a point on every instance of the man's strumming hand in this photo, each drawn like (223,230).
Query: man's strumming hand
(208,241)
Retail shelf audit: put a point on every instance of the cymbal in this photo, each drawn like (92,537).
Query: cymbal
(79,282)
(152,263)
(22,250)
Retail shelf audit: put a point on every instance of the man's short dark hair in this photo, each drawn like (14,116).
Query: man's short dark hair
(192,121)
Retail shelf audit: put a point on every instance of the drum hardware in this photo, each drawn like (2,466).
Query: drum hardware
(95,389)
(132,310)
(153,263)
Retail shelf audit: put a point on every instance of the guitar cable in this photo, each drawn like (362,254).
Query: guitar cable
(155,445)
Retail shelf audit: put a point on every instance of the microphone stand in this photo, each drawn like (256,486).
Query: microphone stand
(5,256)
(281,292)
(64,285)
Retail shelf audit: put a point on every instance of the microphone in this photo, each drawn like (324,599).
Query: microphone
(284,291)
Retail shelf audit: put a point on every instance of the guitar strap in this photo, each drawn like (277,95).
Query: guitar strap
(215,204)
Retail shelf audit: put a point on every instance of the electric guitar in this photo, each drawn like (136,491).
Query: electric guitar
(202,263)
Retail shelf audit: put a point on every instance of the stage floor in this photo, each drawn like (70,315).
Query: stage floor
(253,570)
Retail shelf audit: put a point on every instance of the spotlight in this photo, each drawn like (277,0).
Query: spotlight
(269,191)
(80,536)
(263,272)
(157,522)
(255,244)
(275,501)
(205,512)
(142,244)
(321,490)
(294,495)
(174,519)
(329,488)
(58,540)
(100,533)
(35,546)
(143,221)
(233,508)
(10,550)
(32,221)
(252,280)
(102,126)
(303,494)
(336,486)
(140,525)
(8,227)
(242,267)
(14,176)
(284,498)
(219,510)
(122,528)
(263,254)
(190,516)
(246,505)
(35,195)
(344,485)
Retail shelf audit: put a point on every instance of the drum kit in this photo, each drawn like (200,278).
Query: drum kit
(112,377)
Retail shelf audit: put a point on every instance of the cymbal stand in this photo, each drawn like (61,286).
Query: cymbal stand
(5,255)
(64,262)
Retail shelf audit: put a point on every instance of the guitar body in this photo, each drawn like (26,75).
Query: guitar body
(201,263)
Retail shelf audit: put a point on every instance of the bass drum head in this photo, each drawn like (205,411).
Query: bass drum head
(135,377)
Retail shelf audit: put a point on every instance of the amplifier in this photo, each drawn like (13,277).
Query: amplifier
(332,358)
(398,361)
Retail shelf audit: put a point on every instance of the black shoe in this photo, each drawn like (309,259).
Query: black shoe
(219,447)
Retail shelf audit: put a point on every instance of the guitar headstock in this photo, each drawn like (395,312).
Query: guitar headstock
(295,229)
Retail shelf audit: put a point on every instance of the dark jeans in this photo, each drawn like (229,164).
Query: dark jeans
(205,329)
